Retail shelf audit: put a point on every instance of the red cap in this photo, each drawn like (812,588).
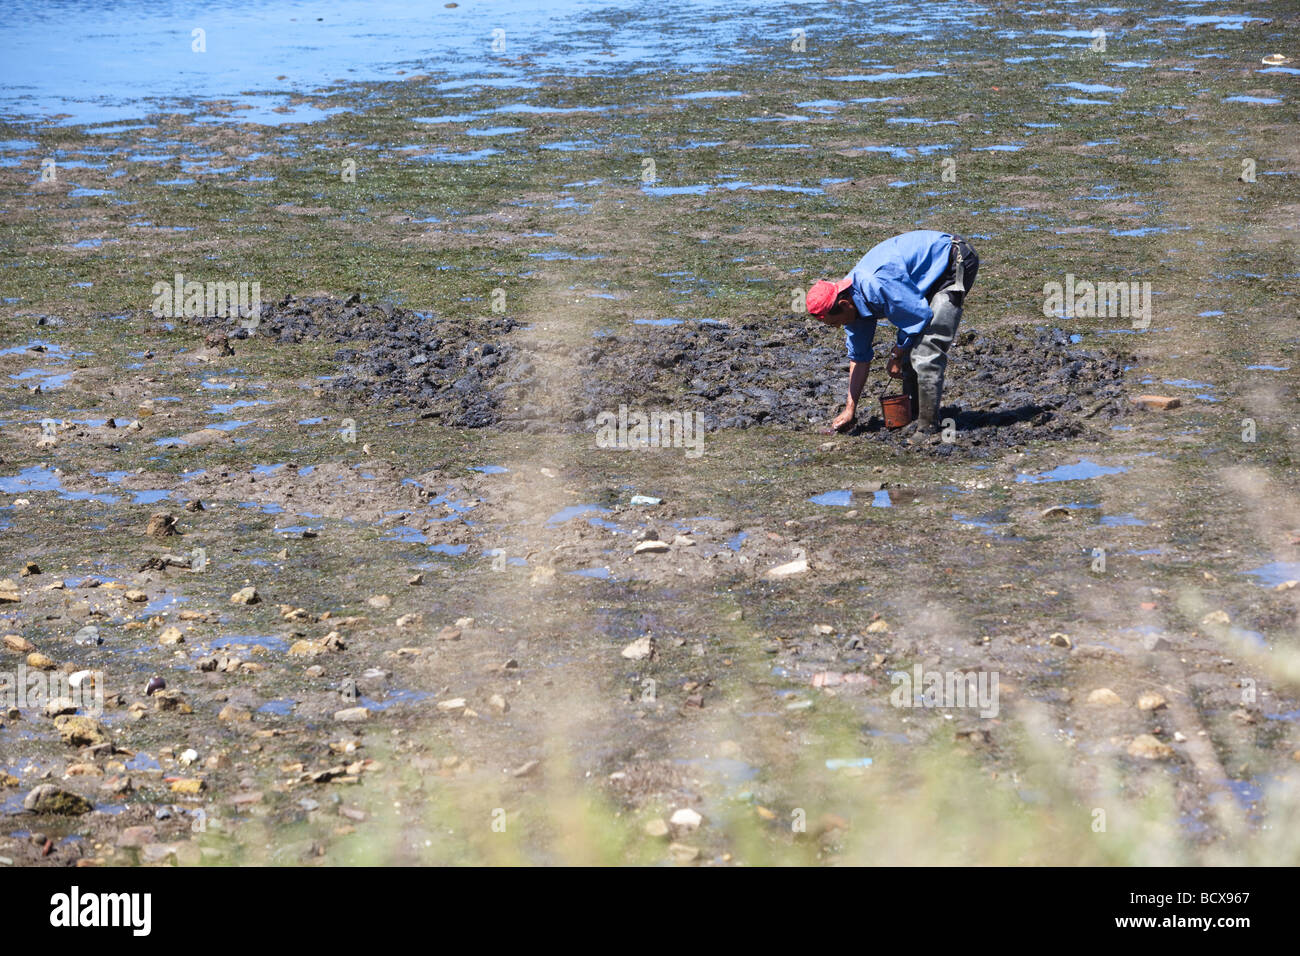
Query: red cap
(824,293)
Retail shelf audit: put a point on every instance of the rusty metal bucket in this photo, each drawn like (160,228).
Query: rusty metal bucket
(897,410)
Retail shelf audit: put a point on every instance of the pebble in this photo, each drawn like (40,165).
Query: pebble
(246,595)
(40,661)
(686,818)
(1104,697)
(651,547)
(656,828)
(640,649)
(1151,701)
(136,596)
(1149,748)
(380,601)
(352,714)
(171,636)
(18,644)
(798,566)
(48,798)
(88,635)
(160,525)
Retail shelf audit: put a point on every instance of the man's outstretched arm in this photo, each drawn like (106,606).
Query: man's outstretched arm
(857,380)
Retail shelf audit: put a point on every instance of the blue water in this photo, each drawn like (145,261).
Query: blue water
(1279,572)
(1076,472)
(110,62)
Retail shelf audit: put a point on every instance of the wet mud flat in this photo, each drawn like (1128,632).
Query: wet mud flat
(1003,388)
(638,655)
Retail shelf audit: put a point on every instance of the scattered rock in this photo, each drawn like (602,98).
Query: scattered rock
(656,828)
(1149,748)
(651,547)
(48,798)
(683,853)
(1104,697)
(160,525)
(18,644)
(641,649)
(40,662)
(352,714)
(1151,701)
(686,818)
(1059,639)
(797,566)
(380,601)
(1160,402)
(171,636)
(246,595)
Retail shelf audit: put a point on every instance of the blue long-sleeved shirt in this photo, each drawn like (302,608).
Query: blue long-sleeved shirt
(889,282)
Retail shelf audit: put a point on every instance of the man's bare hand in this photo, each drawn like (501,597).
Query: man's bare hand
(894,369)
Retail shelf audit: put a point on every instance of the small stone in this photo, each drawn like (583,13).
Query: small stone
(194,505)
(686,818)
(190,785)
(171,636)
(526,768)
(683,853)
(380,601)
(188,757)
(449,634)
(1151,701)
(651,547)
(1060,639)
(409,620)
(1104,697)
(640,649)
(155,684)
(234,715)
(88,635)
(499,703)
(40,662)
(1149,748)
(415,580)
(453,704)
(60,706)
(160,525)
(823,629)
(1055,511)
(656,828)
(18,644)
(136,837)
(1154,642)
(50,799)
(1160,402)
(246,595)
(136,596)
(352,714)
(30,568)
(798,566)
(878,627)
(171,701)
(1216,619)
(81,731)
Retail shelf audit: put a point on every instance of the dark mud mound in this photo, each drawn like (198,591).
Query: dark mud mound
(1002,389)
(448,369)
